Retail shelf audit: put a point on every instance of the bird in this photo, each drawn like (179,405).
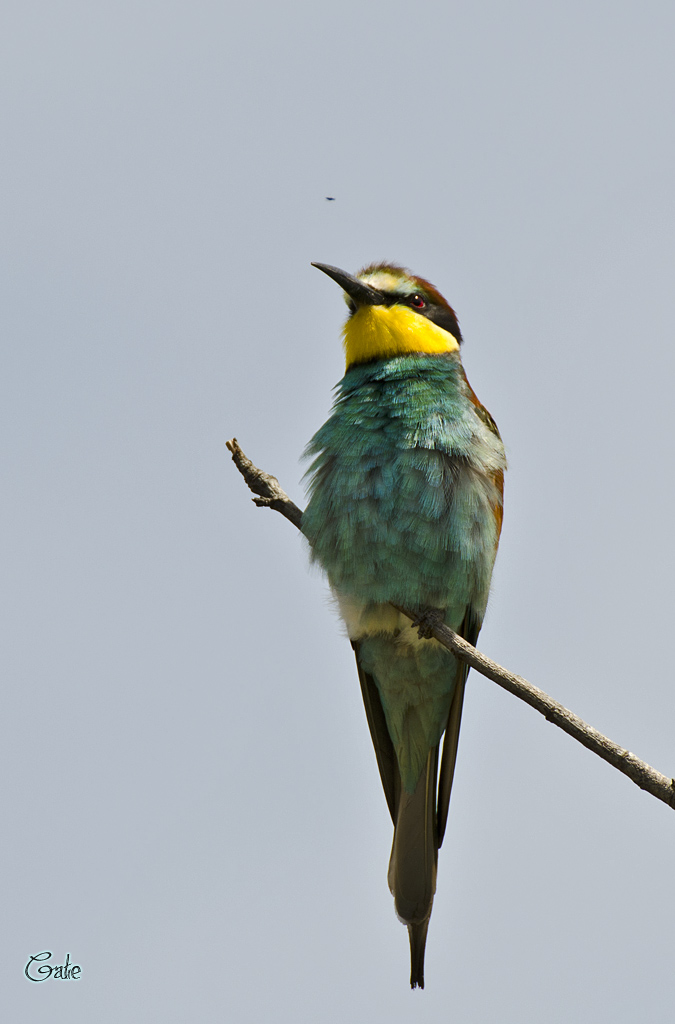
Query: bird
(405,512)
(331,199)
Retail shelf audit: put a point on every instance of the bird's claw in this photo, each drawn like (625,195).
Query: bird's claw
(425,622)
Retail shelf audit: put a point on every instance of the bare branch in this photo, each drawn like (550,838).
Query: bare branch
(270,494)
(643,775)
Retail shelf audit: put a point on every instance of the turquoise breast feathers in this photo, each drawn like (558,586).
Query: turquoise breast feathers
(402,488)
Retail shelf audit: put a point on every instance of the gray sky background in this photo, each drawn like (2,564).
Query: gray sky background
(190,802)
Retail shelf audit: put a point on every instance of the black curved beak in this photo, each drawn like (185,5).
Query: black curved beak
(359,292)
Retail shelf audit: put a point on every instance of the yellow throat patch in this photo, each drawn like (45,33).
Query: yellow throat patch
(384,332)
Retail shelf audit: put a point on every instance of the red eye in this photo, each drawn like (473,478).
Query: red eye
(417,301)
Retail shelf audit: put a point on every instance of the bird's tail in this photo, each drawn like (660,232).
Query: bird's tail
(412,867)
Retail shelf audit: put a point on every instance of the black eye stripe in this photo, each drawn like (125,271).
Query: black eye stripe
(442,316)
(392,299)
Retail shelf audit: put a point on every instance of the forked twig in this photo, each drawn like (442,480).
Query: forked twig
(271,495)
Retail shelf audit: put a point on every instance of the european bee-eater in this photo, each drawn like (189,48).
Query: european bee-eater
(405,510)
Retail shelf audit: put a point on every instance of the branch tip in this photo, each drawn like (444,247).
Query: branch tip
(269,492)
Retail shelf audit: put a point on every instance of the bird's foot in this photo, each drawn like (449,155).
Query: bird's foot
(426,620)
